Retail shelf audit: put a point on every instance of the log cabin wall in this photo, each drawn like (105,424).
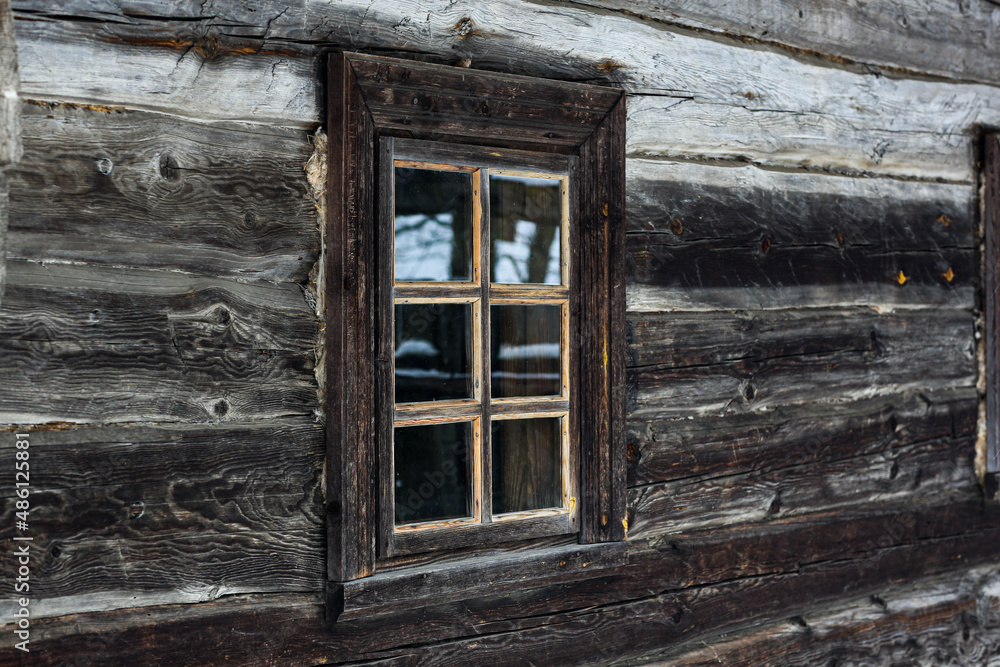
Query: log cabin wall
(803,313)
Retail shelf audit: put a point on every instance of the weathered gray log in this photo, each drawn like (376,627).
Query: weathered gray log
(88,304)
(789,113)
(138,189)
(938,469)
(858,357)
(954,40)
(803,434)
(688,203)
(952,619)
(924,37)
(167,514)
(650,613)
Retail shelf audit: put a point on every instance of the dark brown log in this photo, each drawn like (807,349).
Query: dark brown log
(225,200)
(868,355)
(155,515)
(279,625)
(940,468)
(802,434)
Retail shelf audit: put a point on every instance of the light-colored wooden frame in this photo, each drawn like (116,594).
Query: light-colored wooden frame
(481,294)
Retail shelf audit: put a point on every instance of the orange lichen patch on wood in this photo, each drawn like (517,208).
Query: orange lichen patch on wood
(75,105)
(47,426)
(948,275)
(609,66)
(209,47)
(902,277)
(943,219)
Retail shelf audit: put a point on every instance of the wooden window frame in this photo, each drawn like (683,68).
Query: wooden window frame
(374,102)
(991,231)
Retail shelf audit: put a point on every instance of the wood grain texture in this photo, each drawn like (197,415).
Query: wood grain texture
(96,304)
(940,468)
(123,516)
(226,199)
(272,626)
(800,434)
(951,619)
(865,356)
(953,40)
(789,113)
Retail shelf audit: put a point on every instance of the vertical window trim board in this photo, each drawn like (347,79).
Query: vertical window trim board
(406,107)
(991,231)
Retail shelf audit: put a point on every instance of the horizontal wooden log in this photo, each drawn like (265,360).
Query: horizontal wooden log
(778,360)
(237,64)
(278,626)
(747,207)
(940,468)
(226,199)
(157,515)
(804,434)
(950,619)
(957,40)
(94,304)
(98,382)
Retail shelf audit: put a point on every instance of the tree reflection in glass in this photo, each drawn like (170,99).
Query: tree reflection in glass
(433,224)
(526,347)
(525,221)
(527,459)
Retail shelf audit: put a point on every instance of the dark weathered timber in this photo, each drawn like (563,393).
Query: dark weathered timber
(94,304)
(760,213)
(950,619)
(350,327)
(991,259)
(474,156)
(601,329)
(681,339)
(705,264)
(226,199)
(353,275)
(802,434)
(119,382)
(455,581)
(939,468)
(889,362)
(170,512)
(385,367)
(274,626)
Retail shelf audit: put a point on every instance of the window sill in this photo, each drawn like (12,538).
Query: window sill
(438,583)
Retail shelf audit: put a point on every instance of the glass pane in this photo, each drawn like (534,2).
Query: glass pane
(527,464)
(432,472)
(433,222)
(433,351)
(525,222)
(526,344)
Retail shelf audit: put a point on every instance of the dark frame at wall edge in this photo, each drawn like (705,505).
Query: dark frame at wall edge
(990,170)
(370,97)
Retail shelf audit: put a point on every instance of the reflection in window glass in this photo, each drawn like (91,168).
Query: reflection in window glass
(525,354)
(525,221)
(527,471)
(433,224)
(432,351)
(432,472)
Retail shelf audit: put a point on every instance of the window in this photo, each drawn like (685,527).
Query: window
(478,437)
(475,329)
